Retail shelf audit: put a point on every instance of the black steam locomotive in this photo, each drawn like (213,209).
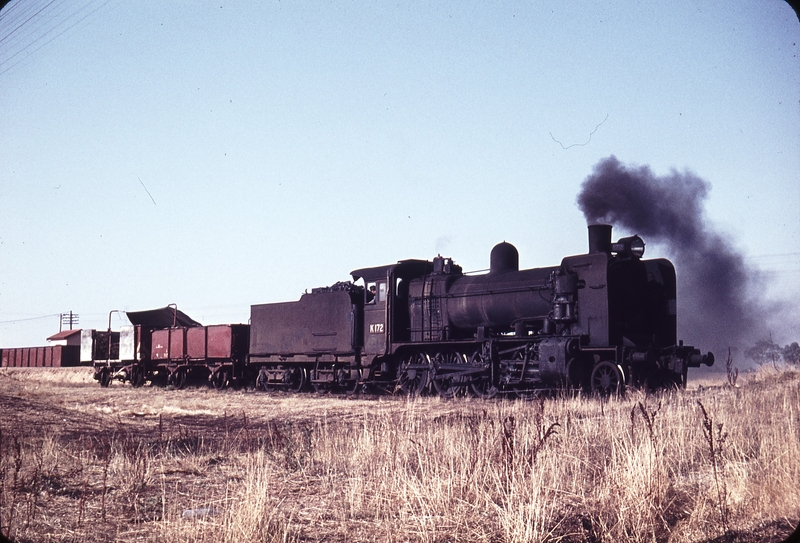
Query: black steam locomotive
(598,322)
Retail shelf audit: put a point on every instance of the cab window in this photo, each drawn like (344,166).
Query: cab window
(375,292)
(381,292)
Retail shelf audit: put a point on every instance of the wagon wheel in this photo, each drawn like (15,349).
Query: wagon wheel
(321,388)
(607,379)
(482,386)
(297,378)
(180,378)
(137,375)
(261,380)
(450,385)
(105,377)
(234,381)
(354,386)
(160,378)
(413,381)
(220,378)
(177,378)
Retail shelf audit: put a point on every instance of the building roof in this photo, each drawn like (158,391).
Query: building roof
(63,335)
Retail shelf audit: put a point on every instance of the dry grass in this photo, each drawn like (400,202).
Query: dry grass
(82,463)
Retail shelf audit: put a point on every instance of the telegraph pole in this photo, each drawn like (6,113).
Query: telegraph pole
(68,318)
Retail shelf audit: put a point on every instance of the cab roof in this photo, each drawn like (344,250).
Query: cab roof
(405,269)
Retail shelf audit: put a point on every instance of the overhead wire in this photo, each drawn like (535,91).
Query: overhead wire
(30,318)
(776,264)
(27,18)
(37,25)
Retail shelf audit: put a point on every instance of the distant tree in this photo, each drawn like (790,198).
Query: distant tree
(764,351)
(791,354)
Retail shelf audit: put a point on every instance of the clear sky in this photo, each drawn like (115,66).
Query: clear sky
(217,155)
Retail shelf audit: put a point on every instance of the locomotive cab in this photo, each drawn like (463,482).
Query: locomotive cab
(376,305)
(386,316)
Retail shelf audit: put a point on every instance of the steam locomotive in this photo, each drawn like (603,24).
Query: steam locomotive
(599,322)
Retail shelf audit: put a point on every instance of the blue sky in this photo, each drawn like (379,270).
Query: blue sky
(218,155)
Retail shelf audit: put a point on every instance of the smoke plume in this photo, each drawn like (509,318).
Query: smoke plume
(717,307)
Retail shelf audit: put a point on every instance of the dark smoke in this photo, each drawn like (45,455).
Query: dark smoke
(717,304)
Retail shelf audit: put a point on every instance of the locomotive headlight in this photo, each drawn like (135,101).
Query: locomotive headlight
(631,246)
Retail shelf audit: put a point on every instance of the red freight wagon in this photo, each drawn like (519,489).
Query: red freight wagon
(168,344)
(41,357)
(221,350)
(218,342)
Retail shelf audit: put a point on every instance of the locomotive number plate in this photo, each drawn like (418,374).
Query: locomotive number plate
(376,328)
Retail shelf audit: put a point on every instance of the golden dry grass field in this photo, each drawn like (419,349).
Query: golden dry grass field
(83,463)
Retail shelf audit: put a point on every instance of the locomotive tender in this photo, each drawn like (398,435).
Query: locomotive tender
(600,321)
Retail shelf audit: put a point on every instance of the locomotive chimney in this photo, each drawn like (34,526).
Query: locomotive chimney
(599,238)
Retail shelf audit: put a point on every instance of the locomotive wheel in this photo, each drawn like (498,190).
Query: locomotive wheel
(482,387)
(607,379)
(136,376)
(449,386)
(414,380)
(527,393)
(578,373)
(220,378)
(105,377)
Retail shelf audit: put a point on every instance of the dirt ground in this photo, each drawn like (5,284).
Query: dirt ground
(67,432)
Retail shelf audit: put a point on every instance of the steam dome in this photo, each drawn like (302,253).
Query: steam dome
(504,258)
